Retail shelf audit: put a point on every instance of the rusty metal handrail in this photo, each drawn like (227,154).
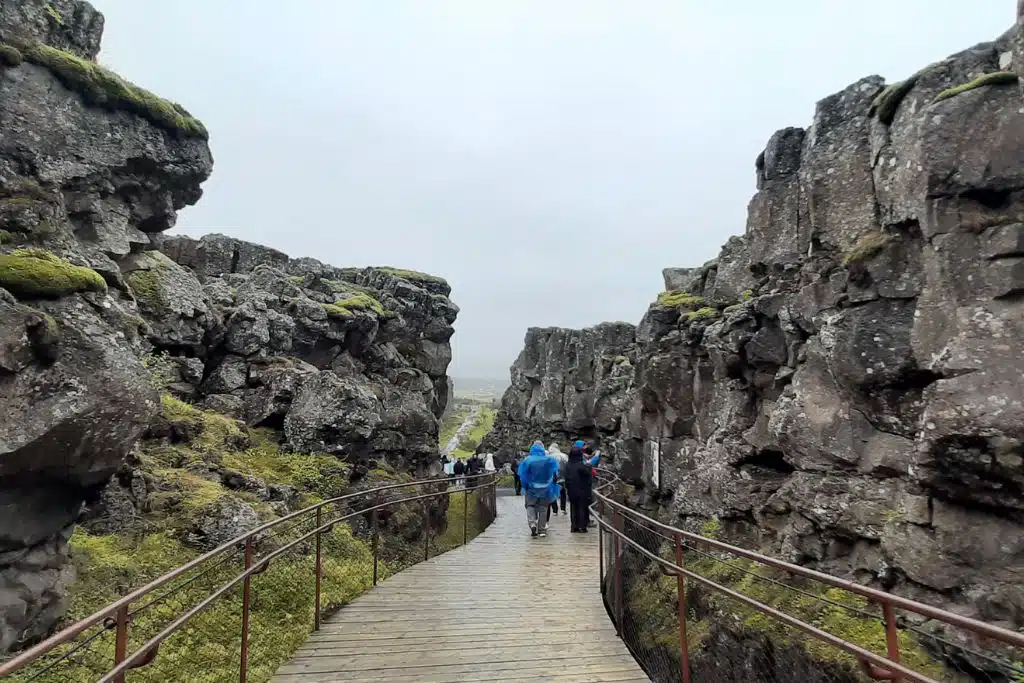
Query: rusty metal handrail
(874,665)
(116,613)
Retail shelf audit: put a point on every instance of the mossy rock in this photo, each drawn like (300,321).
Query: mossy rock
(40,274)
(867,247)
(996,78)
(675,299)
(147,288)
(100,87)
(703,313)
(6,237)
(10,56)
(413,275)
(886,103)
(355,301)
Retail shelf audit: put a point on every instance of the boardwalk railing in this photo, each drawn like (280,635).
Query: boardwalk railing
(239,611)
(695,609)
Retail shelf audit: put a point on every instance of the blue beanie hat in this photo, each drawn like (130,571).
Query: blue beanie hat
(578,444)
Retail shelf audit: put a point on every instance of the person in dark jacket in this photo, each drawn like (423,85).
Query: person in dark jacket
(579,481)
(516,481)
(459,470)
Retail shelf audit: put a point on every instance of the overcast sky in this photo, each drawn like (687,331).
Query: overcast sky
(547,157)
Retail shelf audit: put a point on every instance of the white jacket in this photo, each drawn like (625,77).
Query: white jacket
(563,459)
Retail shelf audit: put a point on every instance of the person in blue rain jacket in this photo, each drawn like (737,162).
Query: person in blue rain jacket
(538,474)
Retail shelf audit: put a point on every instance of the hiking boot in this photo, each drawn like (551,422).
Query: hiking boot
(533,531)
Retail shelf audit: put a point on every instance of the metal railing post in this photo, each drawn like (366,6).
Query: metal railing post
(892,637)
(373,524)
(616,524)
(319,572)
(121,639)
(243,670)
(600,545)
(465,517)
(426,529)
(681,590)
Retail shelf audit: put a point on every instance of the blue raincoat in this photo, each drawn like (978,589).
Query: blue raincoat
(538,473)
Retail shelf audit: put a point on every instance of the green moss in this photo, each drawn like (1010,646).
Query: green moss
(733,308)
(674,299)
(413,275)
(996,78)
(842,620)
(148,289)
(54,15)
(296,280)
(10,56)
(867,247)
(317,476)
(886,103)
(356,301)
(100,87)
(705,313)
(747,295)
(6,237)
(37,273)
(710,528)
(619,360)
(335,311)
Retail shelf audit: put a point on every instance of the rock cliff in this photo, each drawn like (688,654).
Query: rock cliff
(100,313)
(841,386)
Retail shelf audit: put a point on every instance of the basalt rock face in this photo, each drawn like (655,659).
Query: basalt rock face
(96,303)
(565,384)
(82,187)
(841,387)
(344,360)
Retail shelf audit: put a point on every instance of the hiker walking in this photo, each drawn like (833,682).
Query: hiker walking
(538,473)
(555,452)
(579,480)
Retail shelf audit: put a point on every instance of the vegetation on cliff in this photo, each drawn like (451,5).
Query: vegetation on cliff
(100,87)
(996,78)
(40,274)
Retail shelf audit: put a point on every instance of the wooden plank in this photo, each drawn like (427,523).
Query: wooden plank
(507,608)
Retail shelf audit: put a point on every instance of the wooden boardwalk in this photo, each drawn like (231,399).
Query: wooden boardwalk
(472,615)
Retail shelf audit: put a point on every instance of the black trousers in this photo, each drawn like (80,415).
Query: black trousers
(579,513)
(561,498)
(517,482)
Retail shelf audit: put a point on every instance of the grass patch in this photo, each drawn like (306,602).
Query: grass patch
(866,247)
(674,299)
(10,56)
(996,78)
(652,601)
(704,313)
(40,274)
(100,87)
(412,275)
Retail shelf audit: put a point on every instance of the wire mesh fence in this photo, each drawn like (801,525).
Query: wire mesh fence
(239,612)
(692,609)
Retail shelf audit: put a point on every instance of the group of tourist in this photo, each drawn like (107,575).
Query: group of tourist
(458,469)
(549,477)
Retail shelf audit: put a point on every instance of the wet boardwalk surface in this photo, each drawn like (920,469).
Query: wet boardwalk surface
(504,608)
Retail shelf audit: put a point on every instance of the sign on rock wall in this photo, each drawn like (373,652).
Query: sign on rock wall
(652,464)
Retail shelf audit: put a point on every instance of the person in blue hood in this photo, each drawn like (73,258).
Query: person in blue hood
(538,473)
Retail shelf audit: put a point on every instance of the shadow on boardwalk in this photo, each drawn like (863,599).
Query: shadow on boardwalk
(504,608)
